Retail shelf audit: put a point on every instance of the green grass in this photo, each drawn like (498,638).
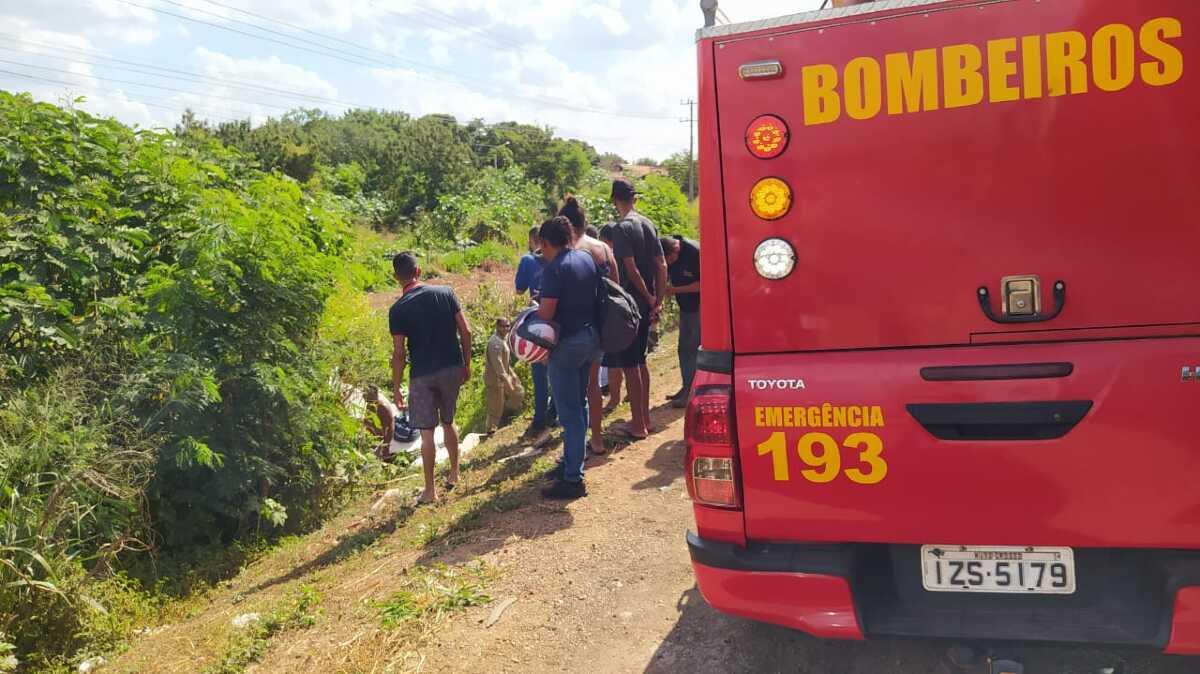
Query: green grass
(298,612)
(430,593)
(462,261)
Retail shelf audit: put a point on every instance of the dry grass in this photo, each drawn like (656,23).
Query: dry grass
(356,563)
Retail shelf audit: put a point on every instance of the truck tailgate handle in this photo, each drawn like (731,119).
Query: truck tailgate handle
(1000,421)
(1060,301)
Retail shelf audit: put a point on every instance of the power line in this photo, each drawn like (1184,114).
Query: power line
(135,100)
(141,84)
(302,29)
(331,53)
(461,28)
(200,78)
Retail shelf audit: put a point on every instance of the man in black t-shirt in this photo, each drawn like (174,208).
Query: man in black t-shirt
(428,326)
(683,267)
(644,274)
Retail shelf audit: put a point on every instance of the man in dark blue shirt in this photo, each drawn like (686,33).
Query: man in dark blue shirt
(529,278)
(429,329)
(569,285)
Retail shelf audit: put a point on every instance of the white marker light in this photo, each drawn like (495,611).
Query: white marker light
(774,259)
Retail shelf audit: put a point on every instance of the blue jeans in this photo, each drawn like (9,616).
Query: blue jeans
(543,405)
(570,363)
(689,347)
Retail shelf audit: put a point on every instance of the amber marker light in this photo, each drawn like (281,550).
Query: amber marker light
(771,198)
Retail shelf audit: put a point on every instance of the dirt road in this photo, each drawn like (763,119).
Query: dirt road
(604,585)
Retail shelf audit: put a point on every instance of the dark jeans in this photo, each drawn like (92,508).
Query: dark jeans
(543,404)
(689,346)
(570,365)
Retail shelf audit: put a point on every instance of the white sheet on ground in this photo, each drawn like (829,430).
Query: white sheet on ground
(465,445)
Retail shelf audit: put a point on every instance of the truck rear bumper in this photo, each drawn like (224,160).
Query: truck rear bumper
(766,583)
(1148,598)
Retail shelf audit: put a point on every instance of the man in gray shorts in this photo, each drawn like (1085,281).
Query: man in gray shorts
(429,329)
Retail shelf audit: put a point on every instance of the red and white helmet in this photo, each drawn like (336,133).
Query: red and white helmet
(531,338)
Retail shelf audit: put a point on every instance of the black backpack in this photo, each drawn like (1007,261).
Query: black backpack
(617,316)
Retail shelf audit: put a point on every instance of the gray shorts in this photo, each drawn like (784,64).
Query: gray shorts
(433,398)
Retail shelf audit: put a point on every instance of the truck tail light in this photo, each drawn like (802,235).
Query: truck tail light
(711,454)
(713,482)
(767,137)
(771,198)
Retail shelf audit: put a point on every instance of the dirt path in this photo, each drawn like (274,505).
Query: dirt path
(602,584)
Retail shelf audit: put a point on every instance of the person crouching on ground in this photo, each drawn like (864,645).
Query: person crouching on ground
(569,285)
(385,411)
(606,265)
(428,325)
(683,268)
(503,390)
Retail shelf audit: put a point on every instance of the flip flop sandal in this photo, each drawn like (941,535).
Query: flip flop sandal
(624,432)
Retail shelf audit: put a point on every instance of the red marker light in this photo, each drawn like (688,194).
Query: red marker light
(767,137)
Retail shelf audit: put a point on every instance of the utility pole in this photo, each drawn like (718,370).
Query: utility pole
(691,122)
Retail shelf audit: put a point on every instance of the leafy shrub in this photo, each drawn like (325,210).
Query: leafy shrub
(8,661)
(664,203)
(490,208)
(461,261)
(72,472)
(205,309)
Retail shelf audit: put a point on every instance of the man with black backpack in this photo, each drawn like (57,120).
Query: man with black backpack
(644,275)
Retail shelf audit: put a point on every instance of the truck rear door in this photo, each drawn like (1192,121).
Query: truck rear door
(875,398)
(904,207)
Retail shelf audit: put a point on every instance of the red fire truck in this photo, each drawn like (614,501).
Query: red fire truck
(950,374)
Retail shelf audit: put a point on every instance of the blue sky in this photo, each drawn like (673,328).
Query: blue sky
(611,72)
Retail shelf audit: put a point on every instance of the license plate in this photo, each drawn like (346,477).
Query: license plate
(999,569)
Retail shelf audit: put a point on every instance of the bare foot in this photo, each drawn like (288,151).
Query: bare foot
(426,497)
(598,449)
(612,405)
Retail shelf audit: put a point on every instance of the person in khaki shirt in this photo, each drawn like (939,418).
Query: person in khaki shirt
(504,392)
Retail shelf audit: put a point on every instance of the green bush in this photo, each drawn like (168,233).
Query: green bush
(461,261)
(496,205)
(72,473)
(208,314)
(664,203)
(660,199)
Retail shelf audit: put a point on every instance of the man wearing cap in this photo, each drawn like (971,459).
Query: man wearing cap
(644,275)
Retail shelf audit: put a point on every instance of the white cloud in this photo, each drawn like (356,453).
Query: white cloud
(270,71)
(528,60)
(106,19)
(609,17)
